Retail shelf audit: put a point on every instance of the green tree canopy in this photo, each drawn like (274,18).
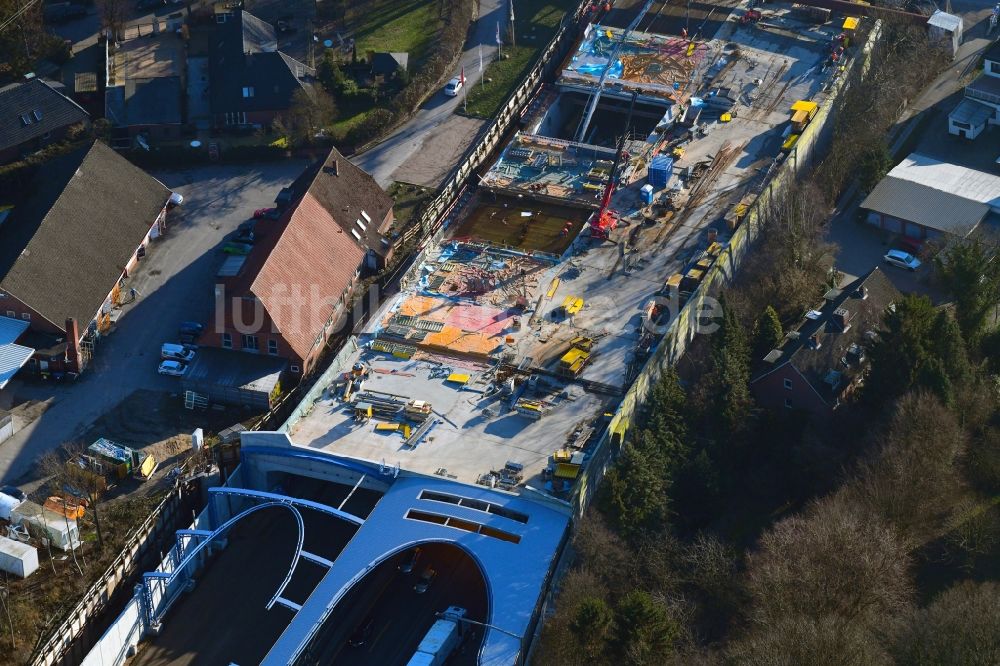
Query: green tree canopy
(971,274)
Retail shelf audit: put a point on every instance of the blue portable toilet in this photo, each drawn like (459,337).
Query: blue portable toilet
(647,193)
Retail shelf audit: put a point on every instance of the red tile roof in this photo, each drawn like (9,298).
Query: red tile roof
(299,271)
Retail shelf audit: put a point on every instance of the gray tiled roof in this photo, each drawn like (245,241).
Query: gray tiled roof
(926,206)
(24,99)
(864,314)
(242,56)
(71,235)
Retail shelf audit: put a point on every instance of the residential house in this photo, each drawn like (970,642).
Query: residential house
(981,105)
(252,81)
(294,289)
(67,243)
(355,201)
(923,197)
(823,361)
(33,114)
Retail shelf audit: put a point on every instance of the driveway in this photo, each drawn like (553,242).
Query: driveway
(861,248)
(174,282)
(436,121)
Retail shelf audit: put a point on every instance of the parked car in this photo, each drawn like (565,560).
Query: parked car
(453,86)
(901,259)
(246,236)
(426,578)
(362,633)
(172,368)
(410,562)
(170,351)
(233,247)
(63,12)
(13,491)
(267,214)
(911,245)
(195,327)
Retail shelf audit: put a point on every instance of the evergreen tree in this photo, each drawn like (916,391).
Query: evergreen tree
(972,275)
(644,632)
(590,625)
(636,487)
(731,361)
(768,333)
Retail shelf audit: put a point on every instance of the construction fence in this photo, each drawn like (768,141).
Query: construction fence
(685,326)
(72,641)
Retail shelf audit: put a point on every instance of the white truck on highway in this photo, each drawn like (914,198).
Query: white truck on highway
(441,640)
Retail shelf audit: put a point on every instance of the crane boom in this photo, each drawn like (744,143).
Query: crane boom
(603,222)
(595,96)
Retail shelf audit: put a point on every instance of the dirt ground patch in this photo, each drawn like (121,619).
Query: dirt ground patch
(158,424)
(523,225)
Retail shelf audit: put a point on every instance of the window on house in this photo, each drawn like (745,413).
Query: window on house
(250,342)
(26,316)
(248,91)
(11,314)
(294,368)
(25,120)
(994,67)
(788,384)
(227,341)
(272,347)
(788,403)
(38,115)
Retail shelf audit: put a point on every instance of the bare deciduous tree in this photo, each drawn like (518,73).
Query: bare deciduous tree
(961,626)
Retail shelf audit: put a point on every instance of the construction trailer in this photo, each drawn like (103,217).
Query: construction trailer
(62,532)
(17,558)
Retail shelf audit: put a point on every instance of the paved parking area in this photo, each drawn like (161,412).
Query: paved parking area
(861,248)
(174,282)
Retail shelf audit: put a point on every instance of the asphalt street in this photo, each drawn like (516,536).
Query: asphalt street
(436,117)
(175,283)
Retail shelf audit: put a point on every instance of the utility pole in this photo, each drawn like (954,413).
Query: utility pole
(513,39)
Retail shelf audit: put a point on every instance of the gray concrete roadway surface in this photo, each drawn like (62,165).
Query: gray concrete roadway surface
(175,283)
(432,137)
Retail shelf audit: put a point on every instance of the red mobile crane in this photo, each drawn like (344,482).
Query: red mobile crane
(605,219)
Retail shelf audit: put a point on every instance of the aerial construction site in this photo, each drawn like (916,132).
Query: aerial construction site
(528,317)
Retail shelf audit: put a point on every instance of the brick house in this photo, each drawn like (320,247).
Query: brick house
(66,245)
(251,80)
(294,288)
(822,362)
(34,115)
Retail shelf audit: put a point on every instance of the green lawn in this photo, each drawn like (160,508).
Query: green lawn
(394,25)
(534,30)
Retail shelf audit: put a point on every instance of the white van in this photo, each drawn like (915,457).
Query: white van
(174,352)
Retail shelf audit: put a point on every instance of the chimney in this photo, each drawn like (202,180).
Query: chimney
(336,168)
(842,318)
(73,346)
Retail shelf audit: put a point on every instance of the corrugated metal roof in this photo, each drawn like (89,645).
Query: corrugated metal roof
(11,329)
(945,21)
(12,359)
(926,206)
(954,179)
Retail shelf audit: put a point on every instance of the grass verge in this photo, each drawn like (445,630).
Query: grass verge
(534,29)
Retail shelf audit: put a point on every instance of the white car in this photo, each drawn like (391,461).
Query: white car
(451,90)
(172,368)
(901,259)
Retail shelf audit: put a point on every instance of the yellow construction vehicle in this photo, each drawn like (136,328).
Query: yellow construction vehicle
(573,361)
(802,112)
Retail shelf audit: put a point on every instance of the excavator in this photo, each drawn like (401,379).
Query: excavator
(605,219)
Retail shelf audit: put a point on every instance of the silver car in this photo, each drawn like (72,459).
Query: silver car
(901,259)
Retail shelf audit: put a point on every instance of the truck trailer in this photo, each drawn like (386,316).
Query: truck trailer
(441,640)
